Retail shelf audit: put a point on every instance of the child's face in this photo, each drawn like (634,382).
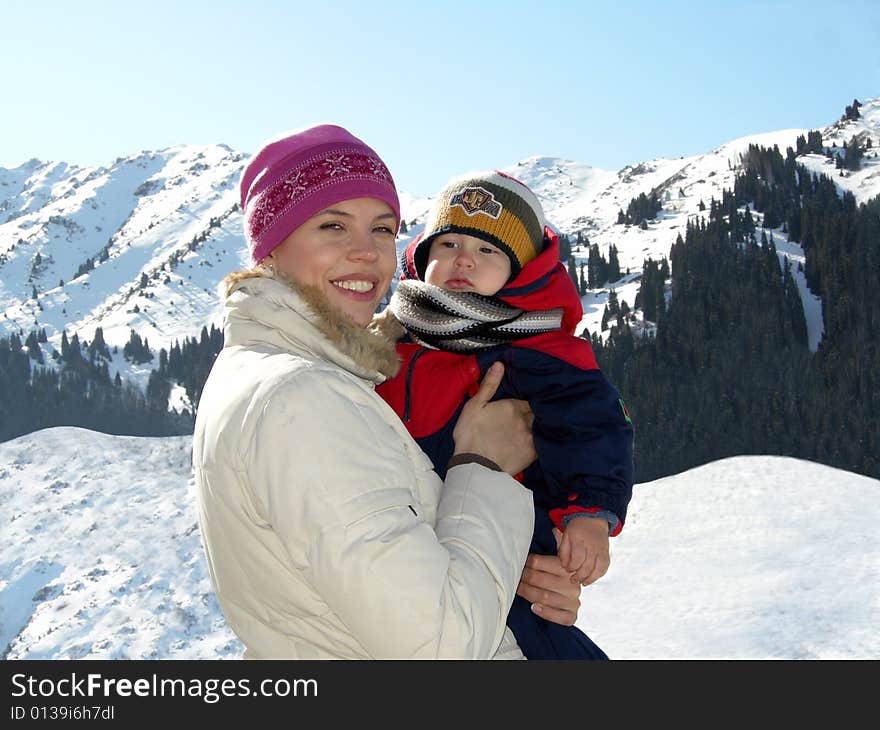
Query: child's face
(459,262)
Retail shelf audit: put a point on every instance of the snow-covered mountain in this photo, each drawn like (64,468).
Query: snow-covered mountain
(747,557)
(142,244)
(751,557)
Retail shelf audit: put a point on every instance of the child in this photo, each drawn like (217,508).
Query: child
(483,283)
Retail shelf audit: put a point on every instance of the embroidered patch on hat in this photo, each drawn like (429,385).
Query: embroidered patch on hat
(475,200)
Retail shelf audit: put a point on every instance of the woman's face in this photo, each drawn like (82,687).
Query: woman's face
(347,251)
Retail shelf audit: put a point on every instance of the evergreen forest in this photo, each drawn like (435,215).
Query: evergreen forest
(729,370)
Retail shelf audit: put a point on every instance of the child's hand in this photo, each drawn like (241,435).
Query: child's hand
(583,549)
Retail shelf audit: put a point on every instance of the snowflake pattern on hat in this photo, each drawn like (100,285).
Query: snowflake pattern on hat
(313,175)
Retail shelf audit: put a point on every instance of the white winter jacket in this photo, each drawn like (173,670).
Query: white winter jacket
(327,533)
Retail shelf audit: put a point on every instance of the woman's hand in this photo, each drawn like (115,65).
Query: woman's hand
(548,587)
(500,431)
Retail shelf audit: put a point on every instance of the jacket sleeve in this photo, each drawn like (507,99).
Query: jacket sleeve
(339,491)
(583,435)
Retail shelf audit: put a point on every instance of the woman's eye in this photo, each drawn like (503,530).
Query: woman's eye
(384,229)
(331,226)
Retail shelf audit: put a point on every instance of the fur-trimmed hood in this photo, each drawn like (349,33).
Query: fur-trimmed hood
(265,306)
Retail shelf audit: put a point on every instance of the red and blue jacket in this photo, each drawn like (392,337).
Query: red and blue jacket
(582,431)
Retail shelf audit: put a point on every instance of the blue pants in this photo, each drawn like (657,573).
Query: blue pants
(537,637)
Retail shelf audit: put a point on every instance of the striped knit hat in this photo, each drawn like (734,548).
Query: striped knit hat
(488,205)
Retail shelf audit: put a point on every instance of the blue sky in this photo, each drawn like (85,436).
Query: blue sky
(436,88)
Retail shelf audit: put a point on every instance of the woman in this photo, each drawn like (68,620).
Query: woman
(327,533)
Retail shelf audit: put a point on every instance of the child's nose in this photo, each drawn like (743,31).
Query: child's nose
(464,259)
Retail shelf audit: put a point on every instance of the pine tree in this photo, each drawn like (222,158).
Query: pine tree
(852,112)
(572,272)
(158,392)
(596,266)
(564,248)
(33,348)
(613,264)
(853,157)
(137,350)
(98,347)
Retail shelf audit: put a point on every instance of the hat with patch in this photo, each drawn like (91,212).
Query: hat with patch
(489,205)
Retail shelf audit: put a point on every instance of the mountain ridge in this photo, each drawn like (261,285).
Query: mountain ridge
(143,243)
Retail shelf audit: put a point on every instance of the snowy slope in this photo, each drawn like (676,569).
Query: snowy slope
(749,557)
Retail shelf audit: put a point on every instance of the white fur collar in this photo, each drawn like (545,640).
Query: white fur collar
(367,351)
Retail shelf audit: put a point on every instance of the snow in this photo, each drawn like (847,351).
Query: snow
(163,227)
(750,557)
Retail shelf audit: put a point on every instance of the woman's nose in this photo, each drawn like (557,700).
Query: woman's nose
(364,248)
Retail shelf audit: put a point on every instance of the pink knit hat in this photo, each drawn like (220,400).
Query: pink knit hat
(295,175)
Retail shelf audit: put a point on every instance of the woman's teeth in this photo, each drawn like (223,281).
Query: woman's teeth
(358,286)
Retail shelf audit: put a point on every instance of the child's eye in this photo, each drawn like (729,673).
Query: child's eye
(487,249)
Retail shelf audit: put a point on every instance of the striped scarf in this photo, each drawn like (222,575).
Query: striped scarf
(464,321)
